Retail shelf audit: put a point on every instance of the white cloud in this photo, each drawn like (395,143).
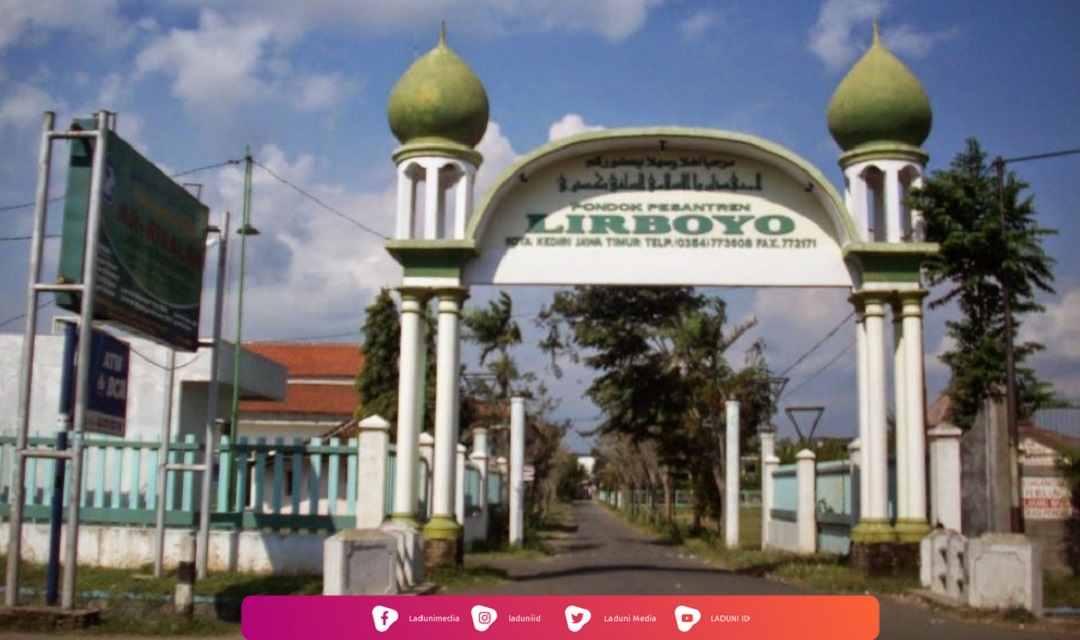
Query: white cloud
(33,21)
(837,36)
(905,41)
(23,107)
(831,36)
(1057,328)
(309,272)
(322,92)
(570,124)
(612,19)
(498,155)
(696,26)
(215,67)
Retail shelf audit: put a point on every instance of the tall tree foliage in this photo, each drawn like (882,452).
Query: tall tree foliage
(663,376)
(964,209)
(377,380)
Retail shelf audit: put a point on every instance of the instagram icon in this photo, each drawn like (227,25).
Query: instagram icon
(483,617)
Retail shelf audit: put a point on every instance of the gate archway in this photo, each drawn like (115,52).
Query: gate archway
(668,206)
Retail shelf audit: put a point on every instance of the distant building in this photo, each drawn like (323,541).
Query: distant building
(319,391)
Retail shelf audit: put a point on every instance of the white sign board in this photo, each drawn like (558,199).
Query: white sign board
(643,216)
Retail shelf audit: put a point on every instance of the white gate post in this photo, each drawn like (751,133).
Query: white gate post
(731,485)
(945,476)
(517,471)
(372,451)
(806,509)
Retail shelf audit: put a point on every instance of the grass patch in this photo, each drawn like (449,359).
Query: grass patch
(1061,590)
(133,601)
(451,579)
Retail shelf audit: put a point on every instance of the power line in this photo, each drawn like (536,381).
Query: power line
(23,315)
(818,344)
(11,238)
(25,205)
(821,369)
(322,204)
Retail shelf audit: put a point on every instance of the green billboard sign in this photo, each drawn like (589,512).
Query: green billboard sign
(151,246)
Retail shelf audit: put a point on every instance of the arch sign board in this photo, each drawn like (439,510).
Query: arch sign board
(661,207)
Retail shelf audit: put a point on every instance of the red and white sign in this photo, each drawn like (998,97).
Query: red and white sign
(1047,499)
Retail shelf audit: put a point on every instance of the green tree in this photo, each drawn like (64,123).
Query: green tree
(662,372)
(964,209)
(377,380)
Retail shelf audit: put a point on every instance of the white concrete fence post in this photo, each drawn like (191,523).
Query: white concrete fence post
(768,467)
(427,454)
(855,458)
(945,476)
(479,457)
(806,509)
(459,485)
(372,451)
(731,465)
(517,471)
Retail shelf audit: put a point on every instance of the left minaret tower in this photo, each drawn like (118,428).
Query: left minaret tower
(439,112)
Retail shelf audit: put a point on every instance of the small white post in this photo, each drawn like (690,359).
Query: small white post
(517,471)
(479,457)
(855,457)
(806,510)
(372,451)
(459,485)
(768,467)
(731,484)
(427,454)
(945,476)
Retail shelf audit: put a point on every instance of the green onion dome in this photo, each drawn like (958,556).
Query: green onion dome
(439,99)
(880,101)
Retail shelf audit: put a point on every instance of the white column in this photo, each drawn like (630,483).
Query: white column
(945,476)
(410,414)
(406,202)
(447,401)
(479,457)
(855,458)
(517,471)
(425,473)
(731,470)
(768,466)
(374,446)
(915,435)
(767,436)
(806,508)
(891,180)
(464,200)
(459,485)
(864,404)
(903,459)
(432,198)
(876,451)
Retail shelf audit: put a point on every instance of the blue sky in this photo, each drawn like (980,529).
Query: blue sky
(306,86)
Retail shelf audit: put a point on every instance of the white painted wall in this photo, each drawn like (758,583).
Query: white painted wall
(262,378)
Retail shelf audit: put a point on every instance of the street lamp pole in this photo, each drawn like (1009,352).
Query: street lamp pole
(245,230)
(1016,511)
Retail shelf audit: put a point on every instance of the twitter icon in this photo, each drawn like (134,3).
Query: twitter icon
(576,618)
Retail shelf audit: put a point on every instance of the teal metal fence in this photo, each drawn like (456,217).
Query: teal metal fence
(281,485)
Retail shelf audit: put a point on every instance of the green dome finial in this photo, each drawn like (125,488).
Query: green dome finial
(880,101)
(439,100)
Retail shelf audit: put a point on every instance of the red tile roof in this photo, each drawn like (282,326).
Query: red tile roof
(309,360)
(336,400)
(306,360)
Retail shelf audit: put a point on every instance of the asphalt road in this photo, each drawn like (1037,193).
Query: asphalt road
(601,555)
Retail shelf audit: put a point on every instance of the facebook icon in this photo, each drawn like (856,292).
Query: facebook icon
(384,617)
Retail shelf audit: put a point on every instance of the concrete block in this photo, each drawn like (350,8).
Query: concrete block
(1004,571)
(941,566)
(360,562)
(410,554)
